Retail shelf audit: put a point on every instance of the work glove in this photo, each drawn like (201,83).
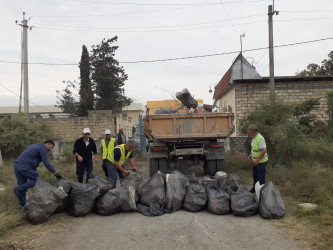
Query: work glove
(58,176)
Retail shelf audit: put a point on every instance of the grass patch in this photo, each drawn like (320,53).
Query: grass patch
(298,182)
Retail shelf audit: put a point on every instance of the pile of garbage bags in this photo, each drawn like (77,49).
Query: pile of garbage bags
(162,193)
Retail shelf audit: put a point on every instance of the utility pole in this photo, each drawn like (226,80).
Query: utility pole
(241,53)
(24,58)
(271,12)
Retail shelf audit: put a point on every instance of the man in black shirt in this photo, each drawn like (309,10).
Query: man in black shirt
(83,149)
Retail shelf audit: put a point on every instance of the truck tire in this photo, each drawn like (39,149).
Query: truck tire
(163,165)
(153,166)
(210,167)
(220,165)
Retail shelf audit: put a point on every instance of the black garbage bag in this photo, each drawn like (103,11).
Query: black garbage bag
(153,190)
(102,185)
(235,183)
(222,183)
(134,179)
(66,185)
(187,100)
(154,209)
(43,202)
(207,180)
(243,203)
(271,203)
(218,200)
(82,198)
(192,179)
(195,198)
(116,200)
(176,184)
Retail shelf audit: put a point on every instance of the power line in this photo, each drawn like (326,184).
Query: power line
(184,6)
(163,4)
(300,11)
(227,53)
(183,58)
(144,27)
(132,29)
(24,99)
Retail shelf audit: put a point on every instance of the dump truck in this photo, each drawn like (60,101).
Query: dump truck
(187,139)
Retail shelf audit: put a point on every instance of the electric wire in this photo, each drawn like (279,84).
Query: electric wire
(183,58)
(24,99)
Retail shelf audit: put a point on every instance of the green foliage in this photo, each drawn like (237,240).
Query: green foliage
(67,98)
(101,84)
(313,69)
(16,134)
(86,93)
(302,114)
(290,131)
(108,77)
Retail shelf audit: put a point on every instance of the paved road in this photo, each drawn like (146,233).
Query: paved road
(179,230)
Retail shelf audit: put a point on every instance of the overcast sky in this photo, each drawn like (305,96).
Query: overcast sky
(154,30)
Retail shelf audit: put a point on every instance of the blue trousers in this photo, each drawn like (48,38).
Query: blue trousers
(22,177)
(81,167)
(112,173)
(259,173)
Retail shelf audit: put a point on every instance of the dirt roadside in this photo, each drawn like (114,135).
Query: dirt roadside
(179,230)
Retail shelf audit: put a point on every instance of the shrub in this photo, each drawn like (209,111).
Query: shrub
(16,134)
(290,131)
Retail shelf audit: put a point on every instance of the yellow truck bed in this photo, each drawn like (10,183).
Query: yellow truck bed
(189,126)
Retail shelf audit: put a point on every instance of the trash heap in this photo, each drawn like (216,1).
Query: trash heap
(162,193)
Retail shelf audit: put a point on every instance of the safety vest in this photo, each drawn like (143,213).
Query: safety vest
(109,149)
(123,158)
(256,150)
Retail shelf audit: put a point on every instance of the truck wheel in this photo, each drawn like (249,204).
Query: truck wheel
(220,165)
(163,165)
(210,167)
(153,166)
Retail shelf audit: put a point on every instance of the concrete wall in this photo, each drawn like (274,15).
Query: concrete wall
(228,100)
(248,94)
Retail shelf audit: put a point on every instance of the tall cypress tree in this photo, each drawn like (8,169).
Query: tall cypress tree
(86,94)
(108,77)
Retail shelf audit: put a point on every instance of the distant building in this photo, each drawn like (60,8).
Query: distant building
(36,111)
(241,94)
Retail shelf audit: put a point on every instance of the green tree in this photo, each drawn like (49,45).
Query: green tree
(313,69)
(67,98)
(108,77)
(16,134)
(86,94)
(290,131)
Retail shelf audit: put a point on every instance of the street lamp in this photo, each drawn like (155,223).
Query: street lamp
(210,87)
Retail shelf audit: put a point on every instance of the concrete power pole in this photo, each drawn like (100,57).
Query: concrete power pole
(271,49)
(24,25)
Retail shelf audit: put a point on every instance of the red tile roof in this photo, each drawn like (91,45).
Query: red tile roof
(223,84)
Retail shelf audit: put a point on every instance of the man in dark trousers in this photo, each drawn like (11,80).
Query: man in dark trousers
(120,137)
(25,167)
(84,147)
(116,160)
(258,155)
(107,147)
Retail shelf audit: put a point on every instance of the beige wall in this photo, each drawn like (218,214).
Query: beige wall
(228,99)
(248,94)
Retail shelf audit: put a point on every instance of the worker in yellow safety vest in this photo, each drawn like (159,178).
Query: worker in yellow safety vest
(106,148)
(117,158)
(258,155)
